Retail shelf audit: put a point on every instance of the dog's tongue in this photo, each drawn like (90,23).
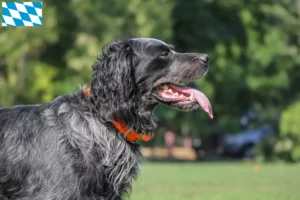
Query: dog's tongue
(199,96)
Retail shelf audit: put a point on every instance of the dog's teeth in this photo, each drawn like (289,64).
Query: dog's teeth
(165,87)
(176,93)
(181,95)
(192,96)
(169,90)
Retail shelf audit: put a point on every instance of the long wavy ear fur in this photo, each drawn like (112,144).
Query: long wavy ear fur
(113,89)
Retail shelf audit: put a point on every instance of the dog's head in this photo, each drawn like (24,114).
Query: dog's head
(137,74)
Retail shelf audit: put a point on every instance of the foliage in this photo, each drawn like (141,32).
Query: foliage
(254,50)
(265,151)
(253,46)
(290,121)
(288,147)
(59,55)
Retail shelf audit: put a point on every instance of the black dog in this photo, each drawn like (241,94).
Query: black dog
(78,147)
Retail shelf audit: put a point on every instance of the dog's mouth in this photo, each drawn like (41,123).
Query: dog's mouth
(183,98)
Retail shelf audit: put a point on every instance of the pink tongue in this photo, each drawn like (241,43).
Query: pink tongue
(199,96)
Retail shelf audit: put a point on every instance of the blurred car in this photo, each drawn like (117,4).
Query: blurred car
(242,143)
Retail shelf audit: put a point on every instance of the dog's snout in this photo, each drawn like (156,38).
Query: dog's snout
(204,58)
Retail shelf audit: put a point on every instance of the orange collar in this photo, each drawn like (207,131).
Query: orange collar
(128,133)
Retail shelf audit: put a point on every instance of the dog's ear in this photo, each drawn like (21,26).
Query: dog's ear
(113,83)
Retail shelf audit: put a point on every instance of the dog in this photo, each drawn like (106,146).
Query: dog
(84,146)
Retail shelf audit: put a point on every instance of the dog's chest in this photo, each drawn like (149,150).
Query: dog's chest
(109,173)
(106,166)
(102,160)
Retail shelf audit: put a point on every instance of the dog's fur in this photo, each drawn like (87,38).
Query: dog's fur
(68,149)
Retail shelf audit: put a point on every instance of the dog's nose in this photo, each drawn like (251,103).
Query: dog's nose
(204,58)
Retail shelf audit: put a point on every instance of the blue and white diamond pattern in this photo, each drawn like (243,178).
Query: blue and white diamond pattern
(22,14)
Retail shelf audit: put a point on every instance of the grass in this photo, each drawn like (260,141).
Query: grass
(217,181)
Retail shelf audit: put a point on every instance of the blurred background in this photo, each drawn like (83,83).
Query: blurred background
(253,85)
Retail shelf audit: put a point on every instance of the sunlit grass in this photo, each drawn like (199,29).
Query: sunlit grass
(214,181)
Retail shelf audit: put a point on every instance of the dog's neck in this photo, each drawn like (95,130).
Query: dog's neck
(127,131)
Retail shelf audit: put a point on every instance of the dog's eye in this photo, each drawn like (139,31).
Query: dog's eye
(165,54)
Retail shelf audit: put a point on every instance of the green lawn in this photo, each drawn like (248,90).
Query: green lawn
(217,181)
